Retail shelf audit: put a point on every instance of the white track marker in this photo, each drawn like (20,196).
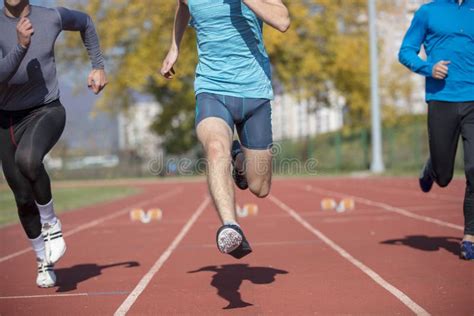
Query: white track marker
(387,207)
(131,299)
(407,301)
(99,221)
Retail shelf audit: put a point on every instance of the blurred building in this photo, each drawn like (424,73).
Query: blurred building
(135,134)
(393,22)
(293,119)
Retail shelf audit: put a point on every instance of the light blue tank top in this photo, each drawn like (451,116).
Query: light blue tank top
(232,57)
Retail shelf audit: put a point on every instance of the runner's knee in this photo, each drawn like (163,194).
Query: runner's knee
(260,187)
(216,149)
(29,166)
(443,181)
(442,176)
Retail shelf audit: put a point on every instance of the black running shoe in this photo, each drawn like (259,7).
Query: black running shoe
(426,178)
(239,177)
(231,240)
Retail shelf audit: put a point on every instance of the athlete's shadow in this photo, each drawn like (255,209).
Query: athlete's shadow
(69,278)
(427,243)
(228,278)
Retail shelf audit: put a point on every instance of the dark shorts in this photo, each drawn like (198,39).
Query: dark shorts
(251,117)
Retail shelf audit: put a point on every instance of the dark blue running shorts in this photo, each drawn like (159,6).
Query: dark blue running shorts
(251,117)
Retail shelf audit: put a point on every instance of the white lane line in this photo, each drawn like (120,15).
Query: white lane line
(63,295)
(415,192)
(432,207)
(407,301)
(99,221)
(131,299)
(386,207)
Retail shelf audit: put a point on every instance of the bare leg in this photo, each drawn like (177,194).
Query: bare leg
(216,137)
(258,170)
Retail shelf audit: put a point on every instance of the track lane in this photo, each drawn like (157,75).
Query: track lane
(109,259)
(419,258)
(290,272)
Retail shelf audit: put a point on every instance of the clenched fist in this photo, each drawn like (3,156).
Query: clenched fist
(24,31)
(97,80)
(167,69)
(440,70)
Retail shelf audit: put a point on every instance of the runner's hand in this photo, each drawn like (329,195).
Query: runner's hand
(24,31)
(440,70)
(97,80)
(167,69)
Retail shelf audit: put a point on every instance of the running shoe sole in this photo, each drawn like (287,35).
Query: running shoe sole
(231,240)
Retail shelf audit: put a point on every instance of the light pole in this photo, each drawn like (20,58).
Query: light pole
(377,165)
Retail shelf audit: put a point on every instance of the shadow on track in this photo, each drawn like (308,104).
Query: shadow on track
(69,278)
(427,243)
(228,278)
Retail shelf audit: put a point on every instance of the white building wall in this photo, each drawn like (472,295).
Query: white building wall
(293,119)
(392,26)
(134,130)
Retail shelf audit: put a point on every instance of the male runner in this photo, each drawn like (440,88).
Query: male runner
(446,30)
(32,117)
(233,88)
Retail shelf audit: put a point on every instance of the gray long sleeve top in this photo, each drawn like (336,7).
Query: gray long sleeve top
(28,76)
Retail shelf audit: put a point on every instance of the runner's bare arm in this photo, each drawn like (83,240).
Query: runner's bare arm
(181,21)
(272,12)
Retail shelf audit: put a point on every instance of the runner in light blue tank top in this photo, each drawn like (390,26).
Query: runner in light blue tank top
(232,57)
(233,91)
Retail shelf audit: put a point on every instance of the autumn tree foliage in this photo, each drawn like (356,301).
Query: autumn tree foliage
(325,49)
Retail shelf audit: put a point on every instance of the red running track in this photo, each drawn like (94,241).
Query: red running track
(395,253)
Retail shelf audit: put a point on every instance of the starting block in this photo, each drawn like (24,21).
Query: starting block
(139,215)
(249,209)
(328,204)
(346,204)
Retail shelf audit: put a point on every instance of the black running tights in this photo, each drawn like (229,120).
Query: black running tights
(25,138)
(446,122)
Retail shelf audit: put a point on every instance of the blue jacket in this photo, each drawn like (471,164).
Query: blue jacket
(446,30)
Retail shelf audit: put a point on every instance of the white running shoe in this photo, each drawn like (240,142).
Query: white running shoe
(228,239)
(46,276)
(54,243)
